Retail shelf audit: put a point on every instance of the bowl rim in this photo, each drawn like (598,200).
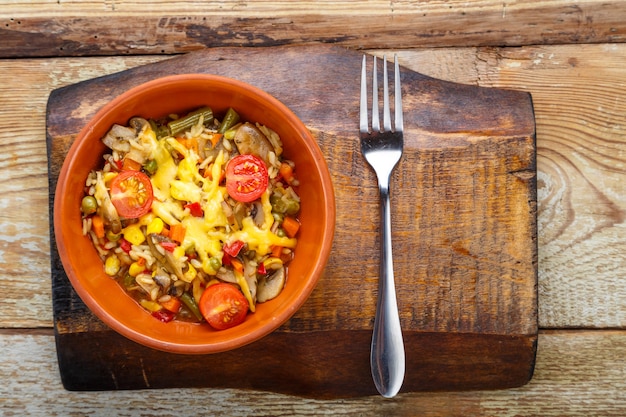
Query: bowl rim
(209,347)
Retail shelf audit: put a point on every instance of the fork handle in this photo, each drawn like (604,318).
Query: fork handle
(387,359)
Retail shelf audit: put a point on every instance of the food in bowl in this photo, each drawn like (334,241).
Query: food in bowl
(196,217)
(179,94)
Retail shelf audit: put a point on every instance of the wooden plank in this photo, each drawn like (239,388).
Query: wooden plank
(578,373)
(463,198)
(567,295)
(24,240)
(30,29)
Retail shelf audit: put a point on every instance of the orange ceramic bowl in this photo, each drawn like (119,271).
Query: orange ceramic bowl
(178,94)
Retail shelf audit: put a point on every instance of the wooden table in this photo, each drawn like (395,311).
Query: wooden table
(570,57)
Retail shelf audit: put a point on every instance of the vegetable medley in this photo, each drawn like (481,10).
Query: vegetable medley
(195,217)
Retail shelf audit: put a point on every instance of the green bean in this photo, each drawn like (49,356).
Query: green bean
(230,119)
(161,131)
(185,123)
(191,305)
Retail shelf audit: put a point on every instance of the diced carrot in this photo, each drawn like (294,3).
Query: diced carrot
(237,265)
(97,225)
(215,138)
(291,226)
(191,143)
(177,232)
(165,232)
(208,173)
(277,251)
(173,304)
(286,171)
(141,261)
(131,165)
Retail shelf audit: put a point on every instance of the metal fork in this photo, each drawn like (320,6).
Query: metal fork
(382,150)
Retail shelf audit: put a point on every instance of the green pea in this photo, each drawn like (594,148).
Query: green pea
(89,205)
(293,207)
(279,206)
(129,280)
(215,263)
(150,167)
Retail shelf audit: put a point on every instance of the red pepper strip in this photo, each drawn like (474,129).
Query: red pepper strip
(164,315)
(125,245)
(169,246)
(226,259)
(261,269)
(234,248)
(195,209)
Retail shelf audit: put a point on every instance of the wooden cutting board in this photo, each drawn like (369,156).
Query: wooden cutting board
(464,235)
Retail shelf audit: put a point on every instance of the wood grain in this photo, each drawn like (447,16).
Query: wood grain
(567,296)
(25,259)
(581,158)
(580,154)
(577,373)
(464,200)
(130,27)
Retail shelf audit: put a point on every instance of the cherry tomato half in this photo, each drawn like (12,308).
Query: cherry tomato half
(223,306)
(131,194)
(246,178)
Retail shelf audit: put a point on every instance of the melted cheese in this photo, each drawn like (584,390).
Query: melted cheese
(176,185)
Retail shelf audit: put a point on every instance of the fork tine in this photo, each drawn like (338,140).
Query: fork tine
(363,104)
(375,114)
(386,112)
(398,118)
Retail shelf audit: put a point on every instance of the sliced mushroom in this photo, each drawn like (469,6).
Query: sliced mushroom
(118,138)
(165,258)
(240,212)
(250,140)
(138,123)
(249,273)
(107,209)
(227,275)
(163,279)
(269,287)
(257,213)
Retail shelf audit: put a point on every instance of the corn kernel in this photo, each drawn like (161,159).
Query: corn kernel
(179,252)
(151,306)
(190,274)
(112,265)
(108,176)
(155,226)
(134,234)
(135,269)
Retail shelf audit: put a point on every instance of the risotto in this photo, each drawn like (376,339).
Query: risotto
(196,218)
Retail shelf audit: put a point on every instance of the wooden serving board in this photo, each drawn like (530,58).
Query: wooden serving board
(464,236)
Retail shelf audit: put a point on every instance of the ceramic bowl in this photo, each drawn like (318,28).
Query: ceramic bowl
(178,94)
